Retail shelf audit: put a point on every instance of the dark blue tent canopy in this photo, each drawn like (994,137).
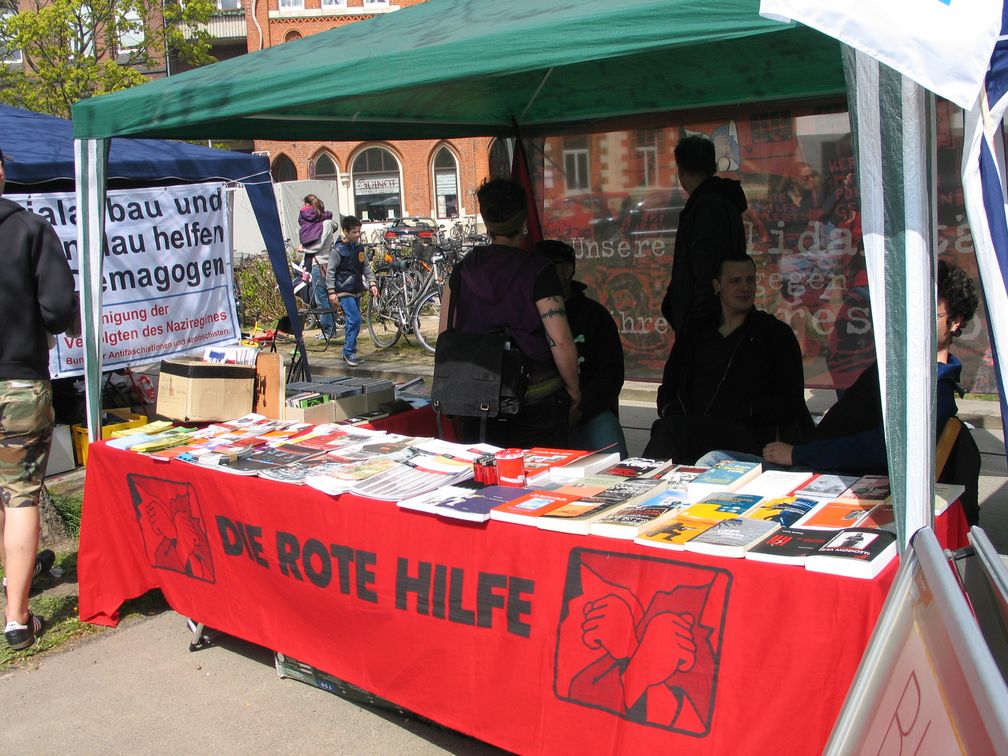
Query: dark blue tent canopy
(39,149)
(39,156)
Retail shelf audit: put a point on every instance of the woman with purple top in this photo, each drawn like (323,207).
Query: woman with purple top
(502,286)
(316,234)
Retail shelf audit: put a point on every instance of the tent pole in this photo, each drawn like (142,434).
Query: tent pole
(91,162)
(892,122)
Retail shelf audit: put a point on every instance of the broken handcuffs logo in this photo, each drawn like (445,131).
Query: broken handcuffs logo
(172,525)
(641,637)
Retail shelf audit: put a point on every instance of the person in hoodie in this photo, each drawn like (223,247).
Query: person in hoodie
(710,229)
(502,286)
(850,437)
(595,422)
(317,232)
(734,379)
(37,302)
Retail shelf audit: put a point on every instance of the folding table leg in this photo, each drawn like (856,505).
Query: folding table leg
(202,636)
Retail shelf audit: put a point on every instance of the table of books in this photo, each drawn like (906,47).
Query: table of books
(531,640)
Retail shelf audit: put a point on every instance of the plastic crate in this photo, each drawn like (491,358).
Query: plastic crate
(128,419)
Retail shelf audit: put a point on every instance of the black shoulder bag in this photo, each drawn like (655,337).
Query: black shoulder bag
(480,375)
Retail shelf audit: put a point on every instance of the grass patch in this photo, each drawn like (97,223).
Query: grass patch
(68,507)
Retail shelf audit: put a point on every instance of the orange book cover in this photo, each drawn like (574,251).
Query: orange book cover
(834,515)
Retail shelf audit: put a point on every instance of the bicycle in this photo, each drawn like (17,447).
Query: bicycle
(403,307)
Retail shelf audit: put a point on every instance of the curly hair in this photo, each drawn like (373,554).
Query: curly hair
(959,292)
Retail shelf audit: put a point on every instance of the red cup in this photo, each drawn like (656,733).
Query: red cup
(511,467)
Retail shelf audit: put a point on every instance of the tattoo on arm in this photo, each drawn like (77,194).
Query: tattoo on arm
(553,312)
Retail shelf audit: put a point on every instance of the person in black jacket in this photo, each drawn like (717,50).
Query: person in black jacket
(733,379)
(36,301)
(595,422)
(710,229)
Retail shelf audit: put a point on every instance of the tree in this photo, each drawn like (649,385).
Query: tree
(75,49)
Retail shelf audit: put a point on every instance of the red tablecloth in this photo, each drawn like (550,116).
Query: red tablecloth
(531,640)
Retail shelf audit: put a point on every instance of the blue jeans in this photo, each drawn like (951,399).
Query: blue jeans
(601,432)
(326,321)
(351,308)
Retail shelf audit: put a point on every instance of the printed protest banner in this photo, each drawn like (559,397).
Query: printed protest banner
(166,276)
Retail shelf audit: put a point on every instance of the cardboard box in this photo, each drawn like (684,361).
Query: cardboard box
(327,412)
(116,419)
(195,391)
(61,454)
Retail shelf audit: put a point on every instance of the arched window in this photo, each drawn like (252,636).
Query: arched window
(283,169)
(376,185)
(500,159)
(446,184)
(324,168)
(291,36)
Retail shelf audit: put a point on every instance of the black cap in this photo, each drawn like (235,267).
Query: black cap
(556,250)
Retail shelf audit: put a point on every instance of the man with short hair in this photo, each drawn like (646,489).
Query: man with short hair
(346,276)
(38,300)
(710,230)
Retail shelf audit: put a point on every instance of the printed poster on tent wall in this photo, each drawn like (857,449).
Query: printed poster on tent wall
(166,276)
(616,199)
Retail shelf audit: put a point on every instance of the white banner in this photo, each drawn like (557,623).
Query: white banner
(166,275)
(943,45)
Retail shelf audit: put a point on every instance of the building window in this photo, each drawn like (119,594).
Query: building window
(131,35)
(291,5)
(291,36)
(8,53)
(575,163)
(446,184)
(375,3)
(500,159)
(376,185)
(283,169)
(324,168)
(646,156)
(226,5)
(334,3)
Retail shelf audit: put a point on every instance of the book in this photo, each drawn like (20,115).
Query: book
(674,532)
(789,545)
(262,458)
(721,506)
(583,467)
(426,501)
(775,483)
(415,474)
(477,507)
(679,477)
(295,472)
(539,461)
(946,494)
(854,552)
(641,467)
(576,516)
(724,476)
(880,517)
(834,515)
(732,537)
(786,510)
(588,486)
(868,488)
(335,478)
(630,520)
(824,486)
(526,509)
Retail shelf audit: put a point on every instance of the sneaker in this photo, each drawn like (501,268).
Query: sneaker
(23,636)
(353,360)
(43,564)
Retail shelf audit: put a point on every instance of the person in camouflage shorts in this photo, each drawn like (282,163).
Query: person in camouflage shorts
(26,423)
(37,302)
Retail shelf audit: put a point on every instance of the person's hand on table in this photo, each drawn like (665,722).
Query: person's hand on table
(778,453)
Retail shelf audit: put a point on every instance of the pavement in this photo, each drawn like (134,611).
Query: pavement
(139,688)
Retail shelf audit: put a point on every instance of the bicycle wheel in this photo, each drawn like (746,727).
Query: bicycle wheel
(384,317)
(427,319)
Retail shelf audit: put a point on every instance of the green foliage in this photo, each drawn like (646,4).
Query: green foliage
(258,292)
(68,507)
(75,49)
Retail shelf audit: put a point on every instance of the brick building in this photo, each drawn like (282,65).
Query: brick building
(376,179)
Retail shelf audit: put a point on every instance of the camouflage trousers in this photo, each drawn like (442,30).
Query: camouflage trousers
(26,427)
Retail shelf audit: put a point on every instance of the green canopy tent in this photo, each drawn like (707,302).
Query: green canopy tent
(452,68)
